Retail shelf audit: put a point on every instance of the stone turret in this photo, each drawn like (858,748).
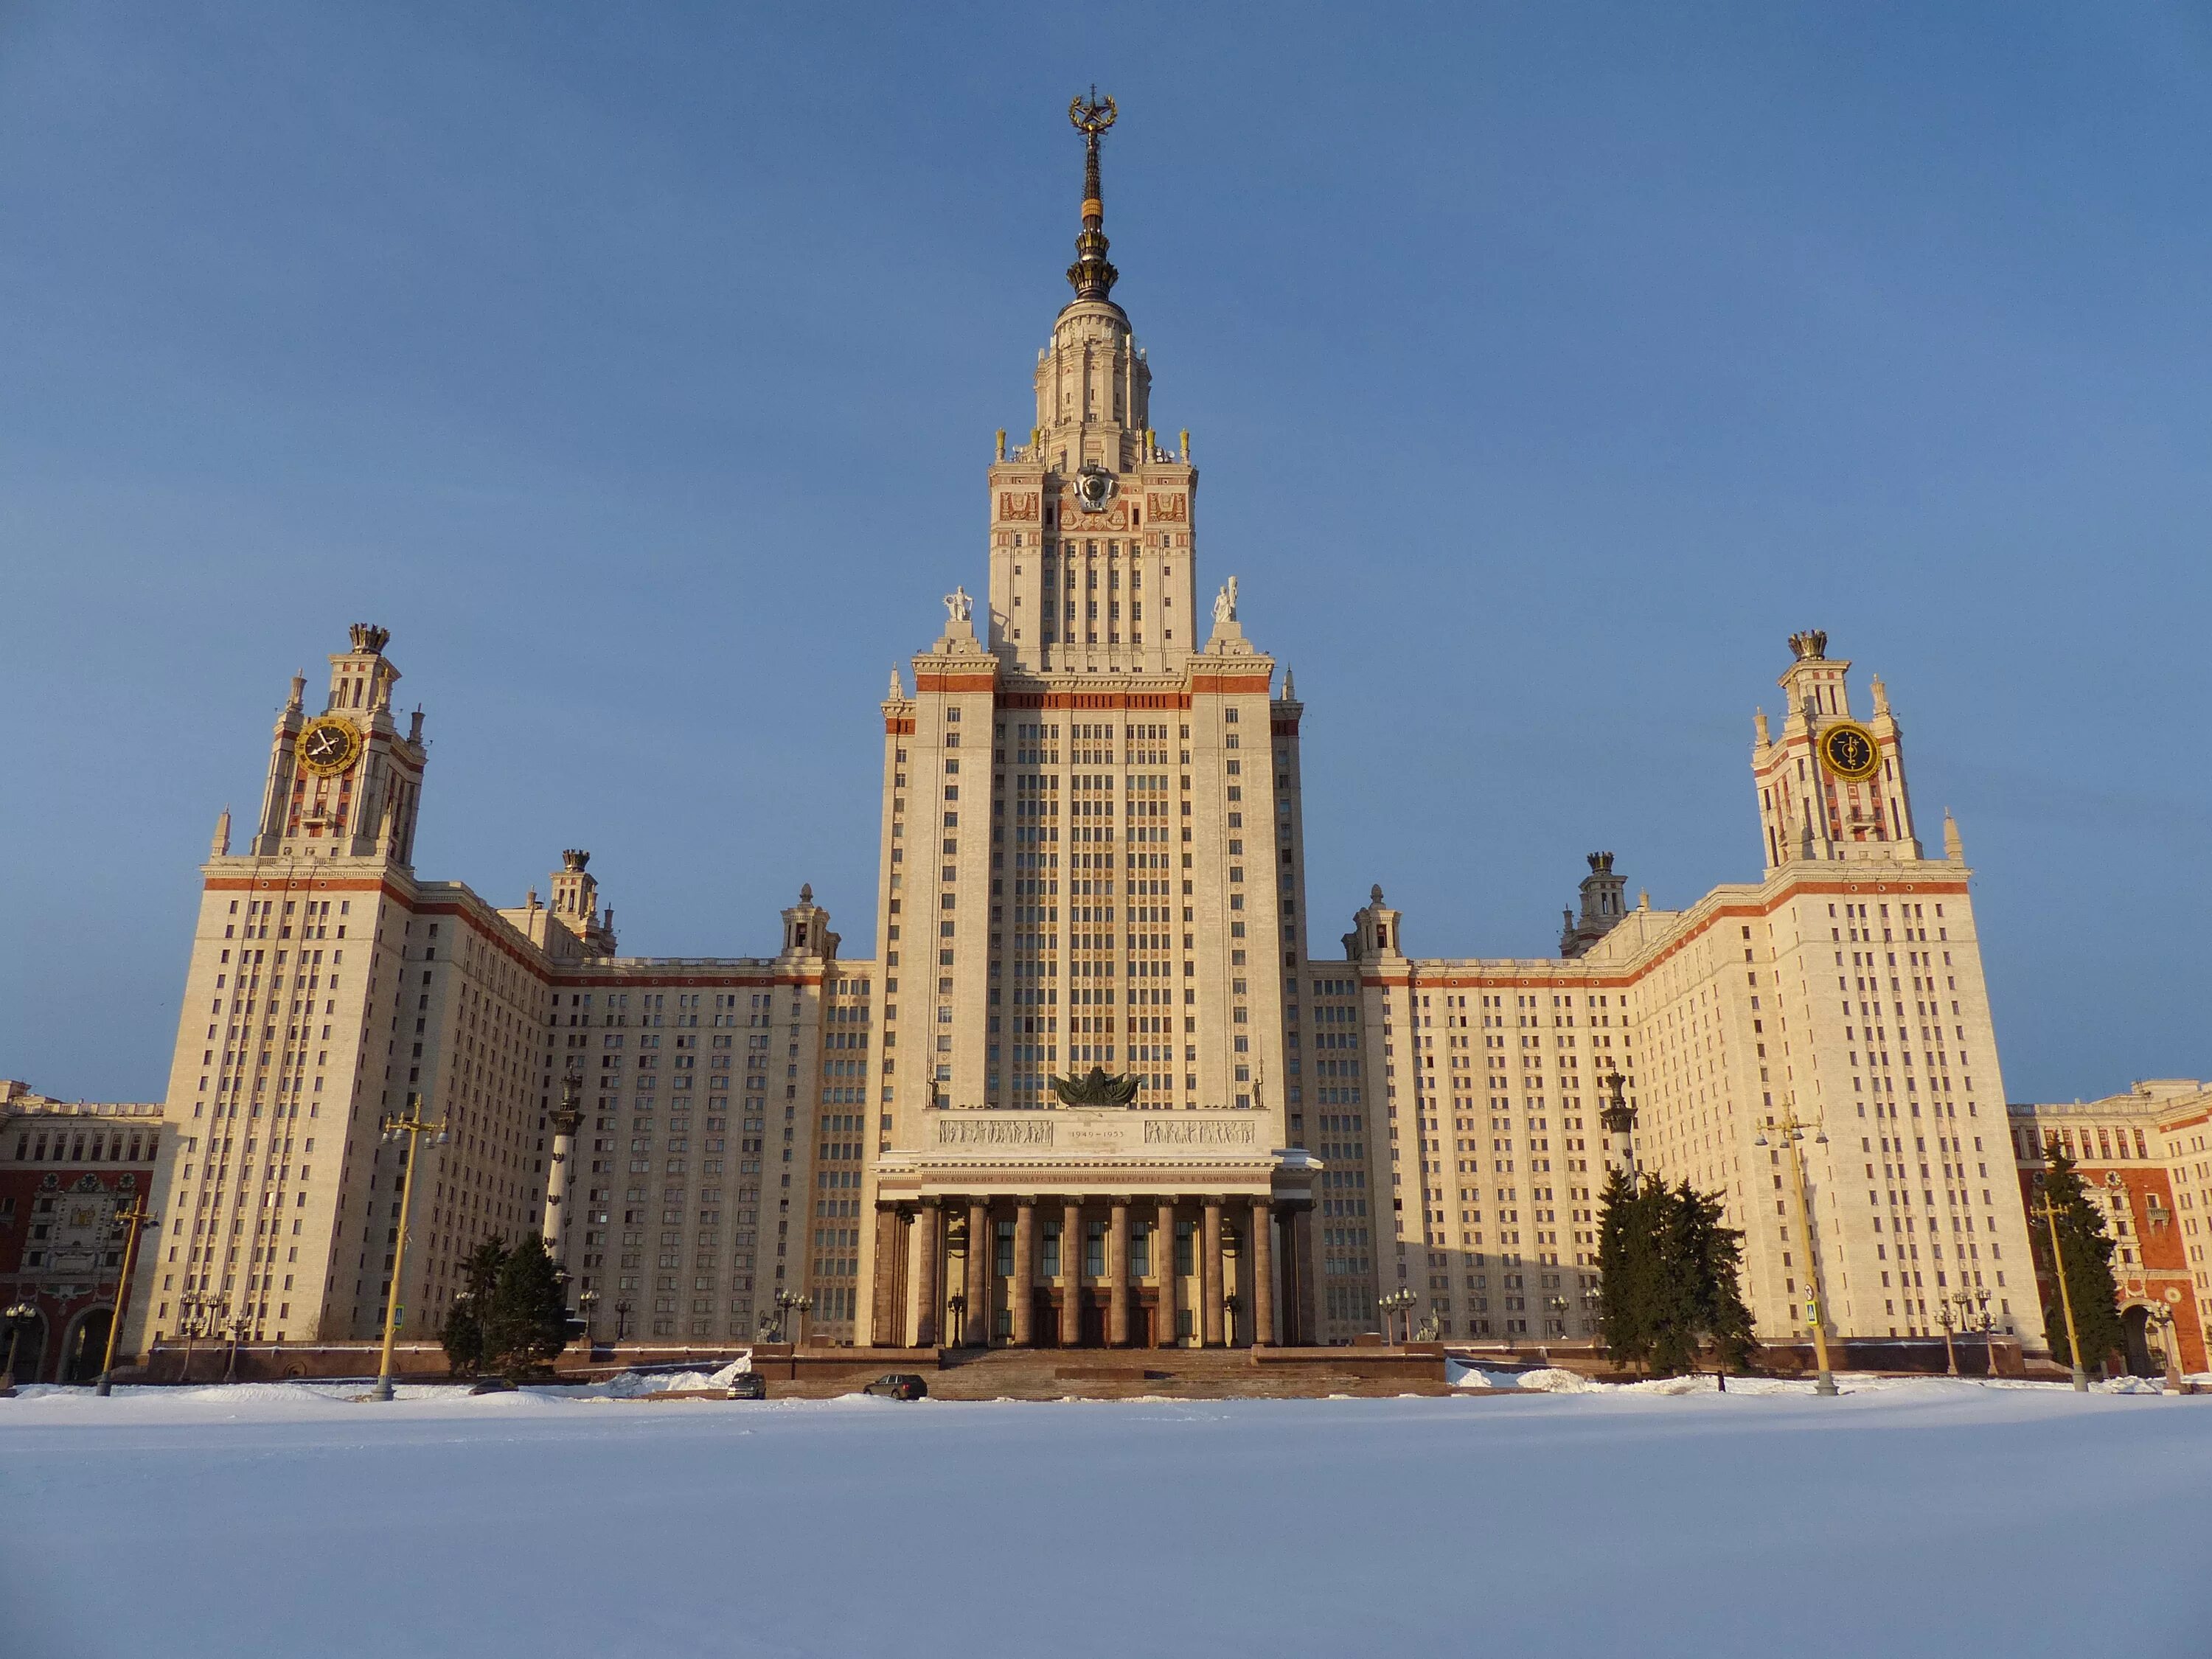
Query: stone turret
(1603,905)
(1375,930)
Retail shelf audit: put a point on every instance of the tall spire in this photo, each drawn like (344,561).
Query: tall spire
(1092,276)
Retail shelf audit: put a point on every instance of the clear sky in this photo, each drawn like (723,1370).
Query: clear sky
(1545,366)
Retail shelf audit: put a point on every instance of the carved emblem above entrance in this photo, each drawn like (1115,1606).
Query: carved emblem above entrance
(1096,1088)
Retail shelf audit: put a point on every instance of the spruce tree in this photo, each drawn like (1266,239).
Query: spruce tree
(1622,1253)
(2086,1251)
(528,1325)
(1670,1277)
(464,1332)
(1675,1282)
(1716,1253)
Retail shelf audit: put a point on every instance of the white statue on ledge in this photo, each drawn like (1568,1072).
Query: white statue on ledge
(958,606)
(1225,603)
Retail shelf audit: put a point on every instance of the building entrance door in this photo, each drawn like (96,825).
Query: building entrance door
(88,1347)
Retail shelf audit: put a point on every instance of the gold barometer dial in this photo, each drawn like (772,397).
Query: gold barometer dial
(1849,751)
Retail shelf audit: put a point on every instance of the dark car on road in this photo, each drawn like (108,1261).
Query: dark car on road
(747,1385)
(898,1385)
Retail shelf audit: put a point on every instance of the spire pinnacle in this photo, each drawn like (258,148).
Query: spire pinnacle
(1092,276)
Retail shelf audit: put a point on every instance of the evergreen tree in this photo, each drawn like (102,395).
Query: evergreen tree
(464,1333)
(528,1325)
(1622,1259)
(1670,1277)
(1675,1293)
(2086,1251)
(1716,1253)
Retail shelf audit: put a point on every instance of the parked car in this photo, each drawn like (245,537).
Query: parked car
(747,1385)
(898,1385)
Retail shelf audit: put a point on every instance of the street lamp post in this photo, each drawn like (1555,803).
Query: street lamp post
(196,1309)
(412,1127)
(131,1221)
(1792,1132)
(1399,1300)
(622,1311)
(587,1304)
(1948,1319)
(241,1327)
(2050,1214)
(18,1315)
(1986,1325)
(786,1301)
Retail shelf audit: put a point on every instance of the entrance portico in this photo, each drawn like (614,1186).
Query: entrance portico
(1088,1227)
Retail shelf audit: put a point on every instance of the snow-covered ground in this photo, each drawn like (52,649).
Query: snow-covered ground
(1926,1517)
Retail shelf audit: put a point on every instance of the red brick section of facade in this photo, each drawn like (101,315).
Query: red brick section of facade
(65,1168)
(2145,1159)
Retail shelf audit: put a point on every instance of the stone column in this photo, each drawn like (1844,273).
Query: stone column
(1209,1292)
(568,1118)
(1071,1273)
(1263,1274)
(1022,1289)
(929,1230)
(981,1243)
(1117,1270)
(1164,1271)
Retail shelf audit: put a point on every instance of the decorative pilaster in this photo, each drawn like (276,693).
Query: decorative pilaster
(888,1312)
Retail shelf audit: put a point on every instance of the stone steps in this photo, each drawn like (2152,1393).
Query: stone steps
(1131,1373)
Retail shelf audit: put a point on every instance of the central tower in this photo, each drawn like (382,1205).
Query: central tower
(1091,518)
(1092,844)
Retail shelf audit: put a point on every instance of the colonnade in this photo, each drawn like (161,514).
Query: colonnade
(945,1271)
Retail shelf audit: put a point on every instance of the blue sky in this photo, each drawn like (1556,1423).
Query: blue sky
(1546,368)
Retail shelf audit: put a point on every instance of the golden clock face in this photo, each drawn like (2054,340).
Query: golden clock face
(1850,752)
(329,745)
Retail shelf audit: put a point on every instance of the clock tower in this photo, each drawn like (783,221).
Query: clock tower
(1831,787)
(344,782)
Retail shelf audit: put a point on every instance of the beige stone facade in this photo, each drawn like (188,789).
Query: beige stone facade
(1846,984)
(1092,857)
(328,987)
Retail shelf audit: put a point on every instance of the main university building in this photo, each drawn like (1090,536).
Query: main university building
(1098,1084)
